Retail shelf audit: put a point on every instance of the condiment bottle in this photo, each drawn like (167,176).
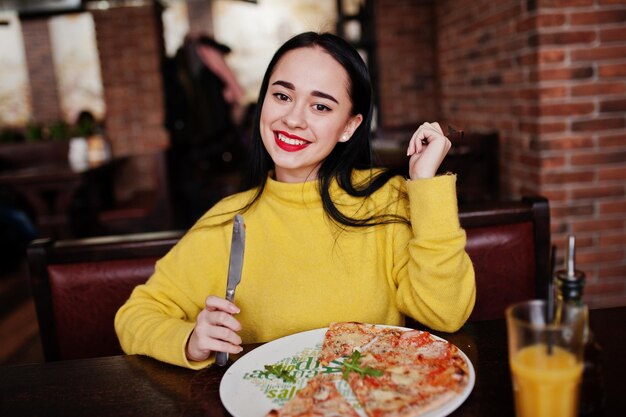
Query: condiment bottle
(569,285)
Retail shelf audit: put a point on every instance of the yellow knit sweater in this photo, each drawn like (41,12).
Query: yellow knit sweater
(302,272)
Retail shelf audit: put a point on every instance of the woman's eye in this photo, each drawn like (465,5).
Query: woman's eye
(281,96)
(321,107)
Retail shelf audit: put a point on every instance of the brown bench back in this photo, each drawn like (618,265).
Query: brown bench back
(78,285)
(509,245)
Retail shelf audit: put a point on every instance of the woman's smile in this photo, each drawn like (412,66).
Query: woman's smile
(290,143)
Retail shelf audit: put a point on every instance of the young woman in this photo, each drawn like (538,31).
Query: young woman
(328,238)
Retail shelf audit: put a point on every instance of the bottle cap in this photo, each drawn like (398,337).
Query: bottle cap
(570,280)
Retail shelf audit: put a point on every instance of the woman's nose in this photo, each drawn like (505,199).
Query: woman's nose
(295,117)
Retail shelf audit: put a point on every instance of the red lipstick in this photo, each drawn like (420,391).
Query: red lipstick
(290,147)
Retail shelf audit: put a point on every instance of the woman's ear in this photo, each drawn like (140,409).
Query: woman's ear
(351,126)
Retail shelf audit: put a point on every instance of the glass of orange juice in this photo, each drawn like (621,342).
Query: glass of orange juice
(546,358)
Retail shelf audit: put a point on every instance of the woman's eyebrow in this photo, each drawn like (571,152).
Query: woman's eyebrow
(315,93)
(324,95)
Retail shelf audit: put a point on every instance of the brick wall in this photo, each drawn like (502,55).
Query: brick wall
(583,158)
(130,46)
(407,64)
(549,76)
(42,77)
(485,61)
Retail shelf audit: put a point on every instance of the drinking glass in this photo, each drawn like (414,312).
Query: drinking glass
(546,358)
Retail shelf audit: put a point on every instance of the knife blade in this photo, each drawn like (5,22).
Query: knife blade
(235,266)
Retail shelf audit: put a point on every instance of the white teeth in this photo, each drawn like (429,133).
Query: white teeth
(291,141)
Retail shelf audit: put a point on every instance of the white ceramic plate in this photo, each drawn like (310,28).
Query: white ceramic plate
(247,390)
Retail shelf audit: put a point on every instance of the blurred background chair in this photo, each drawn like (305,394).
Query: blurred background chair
(474,158)
(78,285)
(144,209)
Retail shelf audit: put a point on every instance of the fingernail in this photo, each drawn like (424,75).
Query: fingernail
(240,349)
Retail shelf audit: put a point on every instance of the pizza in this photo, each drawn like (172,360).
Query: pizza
(341,339)
(393,372)
(318,398)
(419,373)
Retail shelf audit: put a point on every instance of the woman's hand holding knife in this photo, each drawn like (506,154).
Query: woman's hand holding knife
(216,330)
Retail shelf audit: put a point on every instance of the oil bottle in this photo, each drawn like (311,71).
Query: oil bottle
(569,285)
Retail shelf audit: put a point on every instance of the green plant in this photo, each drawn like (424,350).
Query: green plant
(59,131)
(34,132)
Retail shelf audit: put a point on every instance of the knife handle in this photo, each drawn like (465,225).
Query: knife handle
(221,358)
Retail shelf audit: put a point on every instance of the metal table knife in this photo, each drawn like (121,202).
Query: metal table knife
(235,266)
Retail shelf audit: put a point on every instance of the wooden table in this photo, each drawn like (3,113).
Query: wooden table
(50,190)
(140,386)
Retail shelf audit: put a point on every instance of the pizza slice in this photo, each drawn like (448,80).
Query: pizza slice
(342,339)
(390,396)
(319,398)
(438,359)
(419,373)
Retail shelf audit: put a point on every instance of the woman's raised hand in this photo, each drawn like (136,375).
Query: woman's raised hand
(216,330)
(427,148)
